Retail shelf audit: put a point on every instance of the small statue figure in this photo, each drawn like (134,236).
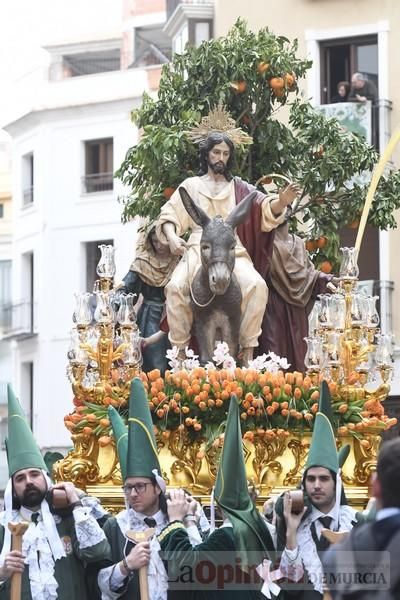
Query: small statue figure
(294,284)
(147,276)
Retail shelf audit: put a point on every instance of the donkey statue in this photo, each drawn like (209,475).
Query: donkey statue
(215,292)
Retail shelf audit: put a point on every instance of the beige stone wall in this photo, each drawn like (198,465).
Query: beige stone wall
(293,18)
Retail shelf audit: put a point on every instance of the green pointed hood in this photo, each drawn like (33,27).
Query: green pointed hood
(323,451)
(120,432)
(343,454)
(50,458)
(142,446)
(22,450)
(231,491)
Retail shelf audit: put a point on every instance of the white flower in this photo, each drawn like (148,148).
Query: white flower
(172,356)
(277,362)
(172,353)
(209,366)
(274,357)
(191,363)
(190,353)
(221,352)
(229,363)
(271,367)
(283,363)
(260,363)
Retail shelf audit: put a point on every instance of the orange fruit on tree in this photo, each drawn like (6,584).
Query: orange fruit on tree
(311,245)
(279,93)
(277,83)
(326,267)
(318,152)
(167,193)
(262,67)
(354,224)
(289,80)
(239,86)
(321,242)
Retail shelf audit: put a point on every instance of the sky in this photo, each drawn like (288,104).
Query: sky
(27,25)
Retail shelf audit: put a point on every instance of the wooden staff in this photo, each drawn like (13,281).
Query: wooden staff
(333,537)
(136,537)
(17,531)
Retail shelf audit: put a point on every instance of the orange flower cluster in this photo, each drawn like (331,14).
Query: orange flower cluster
(197,401)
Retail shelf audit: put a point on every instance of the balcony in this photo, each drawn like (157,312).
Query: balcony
(97,182)
(87,63)
(27,196)
(17,321)
(370,121)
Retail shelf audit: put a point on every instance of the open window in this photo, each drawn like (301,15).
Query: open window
(342,57)
(27,179)
(98,175)
(151,46)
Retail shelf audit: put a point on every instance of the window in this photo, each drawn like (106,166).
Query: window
(98,166)
(93,255)
(5,294)
(27,179)
(341,58)
(194,32)
(87,63)
(1,211)
(27,390)
(152,46)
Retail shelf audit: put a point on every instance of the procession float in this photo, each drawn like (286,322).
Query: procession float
(253,75)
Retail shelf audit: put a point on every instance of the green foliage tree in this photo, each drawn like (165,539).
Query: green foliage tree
(254,75)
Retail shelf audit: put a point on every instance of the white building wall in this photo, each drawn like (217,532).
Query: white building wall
(55,229)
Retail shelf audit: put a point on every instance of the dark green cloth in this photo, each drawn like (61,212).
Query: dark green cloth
(22,450)
(232,494)
(219,550)
(119,549)
(117,543)
(120,432)
(142,447)
(69,572)
(323,452)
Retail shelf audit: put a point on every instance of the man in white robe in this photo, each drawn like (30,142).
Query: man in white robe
(217,193)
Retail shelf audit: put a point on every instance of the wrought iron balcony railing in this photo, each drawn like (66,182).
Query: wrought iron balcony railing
(97,182)
(27,196)
(18,320)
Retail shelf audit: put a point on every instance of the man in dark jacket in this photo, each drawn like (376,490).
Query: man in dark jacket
(366,565)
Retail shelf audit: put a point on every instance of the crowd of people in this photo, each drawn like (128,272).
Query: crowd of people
(161,545)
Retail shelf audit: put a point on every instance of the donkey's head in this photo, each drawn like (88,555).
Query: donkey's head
(218,241)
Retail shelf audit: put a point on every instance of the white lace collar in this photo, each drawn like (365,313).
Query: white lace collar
(157,575)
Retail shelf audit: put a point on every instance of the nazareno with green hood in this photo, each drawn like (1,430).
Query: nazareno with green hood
(239,546)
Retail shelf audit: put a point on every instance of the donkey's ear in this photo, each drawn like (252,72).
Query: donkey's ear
(241,211)
(195,212)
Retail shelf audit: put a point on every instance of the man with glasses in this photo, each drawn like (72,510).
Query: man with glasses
(146,507)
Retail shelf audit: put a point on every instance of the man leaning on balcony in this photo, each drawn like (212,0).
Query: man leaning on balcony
(362,89)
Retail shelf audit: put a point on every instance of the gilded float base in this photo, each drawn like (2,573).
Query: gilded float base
(273,466)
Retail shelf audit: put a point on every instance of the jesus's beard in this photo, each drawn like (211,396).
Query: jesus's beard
(218,168)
